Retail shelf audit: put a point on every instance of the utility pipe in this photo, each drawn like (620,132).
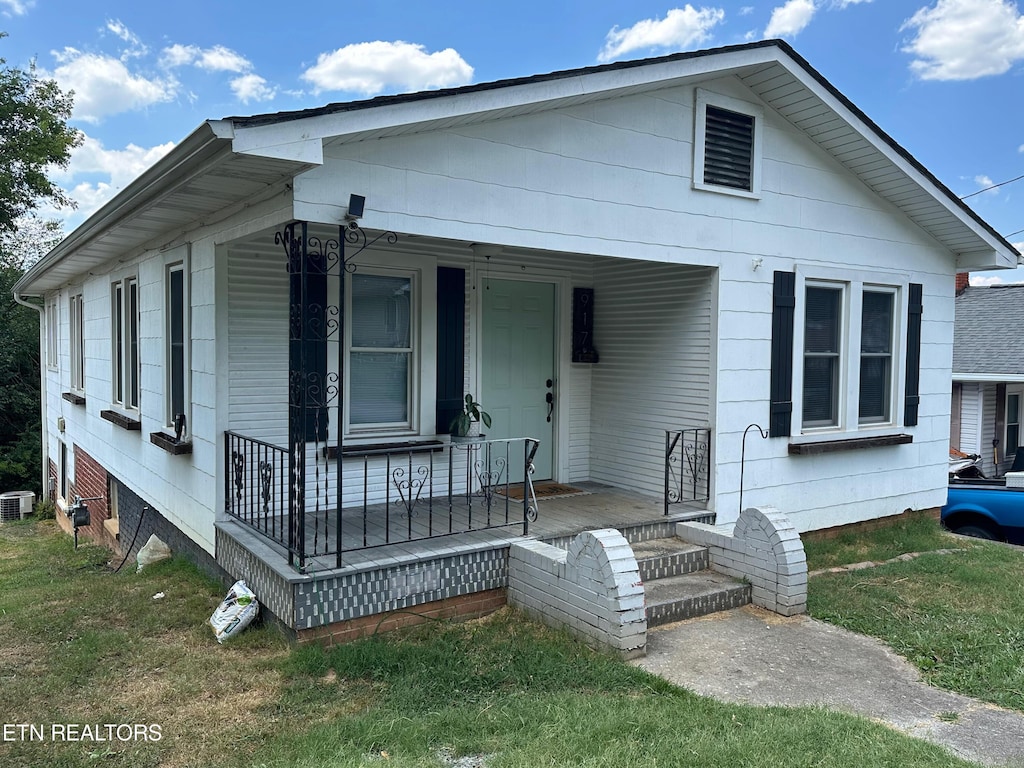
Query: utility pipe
(45,469)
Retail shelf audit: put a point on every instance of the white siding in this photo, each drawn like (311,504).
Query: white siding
(258,345)
(653,331)
(970,418)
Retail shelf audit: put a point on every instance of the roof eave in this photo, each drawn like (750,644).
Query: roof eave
(209,139)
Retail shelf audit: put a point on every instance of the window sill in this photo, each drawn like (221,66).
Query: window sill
(122,421)
(169,444)
(73,398)
(848,444)
(385,448)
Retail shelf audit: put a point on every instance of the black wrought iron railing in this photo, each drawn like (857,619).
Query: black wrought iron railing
(378,496)
(687,466)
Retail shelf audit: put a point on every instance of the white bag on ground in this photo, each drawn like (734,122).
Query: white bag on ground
(153,551)
(235,613)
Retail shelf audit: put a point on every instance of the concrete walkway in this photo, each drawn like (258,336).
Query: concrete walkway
(753,656)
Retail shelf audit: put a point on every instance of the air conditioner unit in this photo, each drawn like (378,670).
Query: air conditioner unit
(16,505)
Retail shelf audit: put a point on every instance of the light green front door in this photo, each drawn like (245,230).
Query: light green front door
(518,366)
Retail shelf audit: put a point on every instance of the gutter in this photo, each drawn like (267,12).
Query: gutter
(44,452)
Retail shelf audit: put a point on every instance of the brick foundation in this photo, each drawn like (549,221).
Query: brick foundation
(470,606)
(91,482)
(866,526)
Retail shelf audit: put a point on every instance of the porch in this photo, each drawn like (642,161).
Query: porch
(389,504)
(460,575)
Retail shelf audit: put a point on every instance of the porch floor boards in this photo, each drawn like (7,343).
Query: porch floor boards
(601,507)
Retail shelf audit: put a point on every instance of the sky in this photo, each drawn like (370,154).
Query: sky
(944,78)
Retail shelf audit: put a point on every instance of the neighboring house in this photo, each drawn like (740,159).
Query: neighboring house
(988,374)
(700,241)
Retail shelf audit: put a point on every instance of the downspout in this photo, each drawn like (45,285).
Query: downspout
(45,468)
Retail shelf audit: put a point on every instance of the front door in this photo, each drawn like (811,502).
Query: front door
(518,366)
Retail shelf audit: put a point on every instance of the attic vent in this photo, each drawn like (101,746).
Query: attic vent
(728,148)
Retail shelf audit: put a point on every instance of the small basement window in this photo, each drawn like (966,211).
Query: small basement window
(727,145)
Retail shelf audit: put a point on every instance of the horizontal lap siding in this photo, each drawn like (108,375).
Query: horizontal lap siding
(653,327)
(258,346)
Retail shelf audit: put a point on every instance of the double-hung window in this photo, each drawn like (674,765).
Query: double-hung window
(382,369)
(848,378)
(77,346)
(52,331)
(1013,414)
(876,351)
(823,347)
(125,338)
(176,302)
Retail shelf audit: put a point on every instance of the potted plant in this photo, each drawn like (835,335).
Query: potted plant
(463,424)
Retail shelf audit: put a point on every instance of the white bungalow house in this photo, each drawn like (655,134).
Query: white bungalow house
(615,261)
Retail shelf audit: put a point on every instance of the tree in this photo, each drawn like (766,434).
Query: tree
(34,136)
(19,357)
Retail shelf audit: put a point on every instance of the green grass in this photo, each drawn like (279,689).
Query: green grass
(957,617)
(80,644)
(912,534)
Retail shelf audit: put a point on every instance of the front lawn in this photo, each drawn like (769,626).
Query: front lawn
(82,646)
(956,616)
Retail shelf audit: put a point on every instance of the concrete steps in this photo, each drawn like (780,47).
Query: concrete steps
(679,585)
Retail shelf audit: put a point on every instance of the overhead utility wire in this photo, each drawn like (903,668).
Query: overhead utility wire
(994,186)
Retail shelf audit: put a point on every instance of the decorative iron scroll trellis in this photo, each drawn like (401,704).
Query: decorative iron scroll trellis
(687,466)
(299,495)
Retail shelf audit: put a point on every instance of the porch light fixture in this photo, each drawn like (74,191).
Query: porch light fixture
(356,204)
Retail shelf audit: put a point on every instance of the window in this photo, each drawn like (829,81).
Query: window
(63,489)
(849,369)
(1012,424)
(876,346)
(845,356)
(381,361)
(77,312)
(727,145)
(52,331)
(176,335)
(125,333)
(822,350)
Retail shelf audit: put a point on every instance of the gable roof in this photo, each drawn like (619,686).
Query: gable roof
(225,162)
(988,332)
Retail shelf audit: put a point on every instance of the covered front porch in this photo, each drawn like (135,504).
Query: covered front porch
(331,465)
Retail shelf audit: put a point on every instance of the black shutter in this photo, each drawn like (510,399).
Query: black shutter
(783,306)
(999,427)
(913,386)
(451,328)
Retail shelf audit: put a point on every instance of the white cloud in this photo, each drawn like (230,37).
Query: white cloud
(965,39)
(104,86)
(252,87)
(376,66)
(681,28)
(983,280)
(984,182)
(216,59)
(845,3)
(108,171)
(16,7)
(790,19)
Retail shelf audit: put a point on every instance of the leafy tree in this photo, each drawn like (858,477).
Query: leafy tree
(19,357)
(34,137)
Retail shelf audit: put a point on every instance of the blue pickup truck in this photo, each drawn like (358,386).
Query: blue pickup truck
(986,509)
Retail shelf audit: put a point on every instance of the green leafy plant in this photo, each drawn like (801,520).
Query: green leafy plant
(45,510)
(471,412)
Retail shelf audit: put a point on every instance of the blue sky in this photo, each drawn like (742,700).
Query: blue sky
(942,77)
